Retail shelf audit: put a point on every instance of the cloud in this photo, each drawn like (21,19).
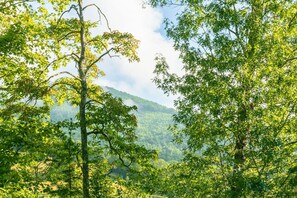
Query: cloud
(144,24)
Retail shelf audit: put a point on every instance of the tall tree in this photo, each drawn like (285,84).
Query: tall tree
(237,98)
(22,83)
(84,51)
(37,42)
(29,142)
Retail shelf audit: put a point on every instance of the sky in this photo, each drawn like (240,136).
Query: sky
(145,23)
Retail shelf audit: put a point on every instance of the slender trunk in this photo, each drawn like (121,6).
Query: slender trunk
(82,106)
(69,162)
(84,140)
(239,158)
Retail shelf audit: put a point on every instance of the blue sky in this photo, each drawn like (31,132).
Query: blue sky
(145,23)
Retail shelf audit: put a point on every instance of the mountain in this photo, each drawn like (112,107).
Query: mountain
(143,105)
(153,121)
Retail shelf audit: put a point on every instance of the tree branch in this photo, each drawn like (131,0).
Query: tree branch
(290,143)
(64,83)
(63,72)
(56,60)
(4,88)
(68,34)
(99,13)
(100,132)
(291,21)
(76,57)
(66,11)
(93,100)
(285,120)
(13,4)
(98,59)
(289,60)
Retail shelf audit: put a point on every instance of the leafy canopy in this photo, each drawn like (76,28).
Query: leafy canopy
(237,97)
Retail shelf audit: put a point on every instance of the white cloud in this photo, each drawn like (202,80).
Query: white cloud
(144,24)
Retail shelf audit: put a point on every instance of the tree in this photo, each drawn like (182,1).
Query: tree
(85,52)
(23,125)
(237,98)
(37,41)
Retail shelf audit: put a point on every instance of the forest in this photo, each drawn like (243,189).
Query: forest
(232,132)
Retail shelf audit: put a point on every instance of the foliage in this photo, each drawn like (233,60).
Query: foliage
(107,119)
(153,120)
(237,97)
(25,133)
(38,159)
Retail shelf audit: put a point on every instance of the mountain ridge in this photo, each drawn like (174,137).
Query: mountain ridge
(153,122)
(148,104)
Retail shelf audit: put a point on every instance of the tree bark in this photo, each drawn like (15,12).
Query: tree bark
(239,158)
(82,106)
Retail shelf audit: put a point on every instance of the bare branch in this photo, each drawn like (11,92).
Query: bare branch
(99,13)
(66,11)
(63,72)
(232,31)
(75,56)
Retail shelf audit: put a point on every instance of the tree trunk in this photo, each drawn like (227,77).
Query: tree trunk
(239,158)
(82,106)
(84,140)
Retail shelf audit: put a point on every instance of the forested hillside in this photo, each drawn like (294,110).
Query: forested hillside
(153,122)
